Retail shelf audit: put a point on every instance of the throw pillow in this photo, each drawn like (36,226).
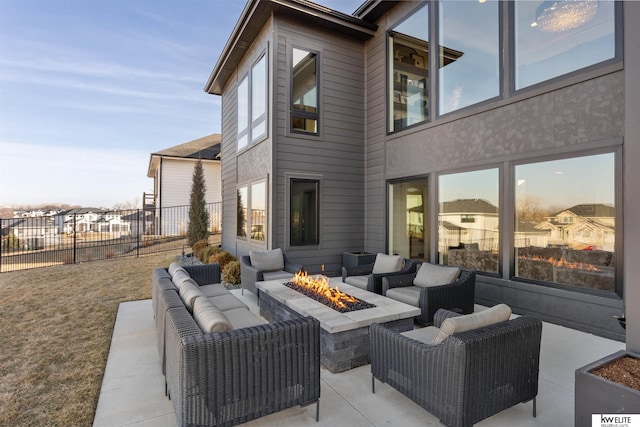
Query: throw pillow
(175,267)
(270,260)
(189,292)
(435,275)
(387,264)
(453,325)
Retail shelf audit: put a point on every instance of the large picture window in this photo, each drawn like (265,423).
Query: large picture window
(565,221)
(304,213)
(408,220)
(469,220)
(252,104)
(469,53)
(304,92)
(408,76)
(556,38)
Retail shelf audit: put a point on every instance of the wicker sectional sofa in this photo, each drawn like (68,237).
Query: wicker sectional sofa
(223,364)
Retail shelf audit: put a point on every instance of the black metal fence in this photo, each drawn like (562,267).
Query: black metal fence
(82,235)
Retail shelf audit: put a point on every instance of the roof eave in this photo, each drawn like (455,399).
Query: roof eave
(253,18)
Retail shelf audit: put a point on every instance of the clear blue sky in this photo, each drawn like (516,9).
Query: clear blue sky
(88,89)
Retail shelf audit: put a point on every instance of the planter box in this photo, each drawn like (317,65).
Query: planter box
(596,395)
(350,259)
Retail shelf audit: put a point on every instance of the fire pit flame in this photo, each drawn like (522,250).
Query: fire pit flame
(318,288)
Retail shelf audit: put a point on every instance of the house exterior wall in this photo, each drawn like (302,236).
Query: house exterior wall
(176,179)
(334,156)
(575,115)
(255,161)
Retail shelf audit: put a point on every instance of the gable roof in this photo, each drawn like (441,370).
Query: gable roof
(255,15)
(469,206)
(591,210)
(205,148)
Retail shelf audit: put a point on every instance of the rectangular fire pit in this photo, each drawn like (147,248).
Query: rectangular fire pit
(344,337)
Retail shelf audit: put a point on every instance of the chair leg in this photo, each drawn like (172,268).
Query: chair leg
(318,410)
(373,384)
(534,407)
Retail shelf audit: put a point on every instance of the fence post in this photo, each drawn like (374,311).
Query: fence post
(2,243)
(138,235)
(75,238)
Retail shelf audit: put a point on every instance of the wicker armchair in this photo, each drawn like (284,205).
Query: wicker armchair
(249,274)
(365,279)
(458,296)
(229,378)
(469,376)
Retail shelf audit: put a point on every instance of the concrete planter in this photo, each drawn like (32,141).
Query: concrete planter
(350,259)
(596,395)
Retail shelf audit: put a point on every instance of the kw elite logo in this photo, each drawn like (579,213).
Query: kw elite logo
(615,420)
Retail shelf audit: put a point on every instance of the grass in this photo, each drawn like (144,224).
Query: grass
(55,331)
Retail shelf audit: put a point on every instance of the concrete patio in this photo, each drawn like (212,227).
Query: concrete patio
(133,387)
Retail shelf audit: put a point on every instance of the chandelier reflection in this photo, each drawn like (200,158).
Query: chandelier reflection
(557,16)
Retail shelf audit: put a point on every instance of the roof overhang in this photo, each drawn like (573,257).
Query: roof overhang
(253,18)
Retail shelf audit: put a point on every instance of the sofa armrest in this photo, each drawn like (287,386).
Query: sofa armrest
(292,267)
(207,274)
(243,374)
(397,281)
(249,275)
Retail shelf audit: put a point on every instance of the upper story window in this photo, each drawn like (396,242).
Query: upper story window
(409,81)
(469,43)
(304,91)
(252,105)
(556,38)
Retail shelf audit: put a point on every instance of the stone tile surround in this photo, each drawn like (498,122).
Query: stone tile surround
(344,337)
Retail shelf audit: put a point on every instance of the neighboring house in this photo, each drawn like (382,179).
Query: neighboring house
(340,133)
(172,173)
(85,220)
(33,233)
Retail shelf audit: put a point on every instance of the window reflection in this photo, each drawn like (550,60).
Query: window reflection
(469,220)
(565,222)
(469,45)
(304,96)
(556,38)
(258,209)
(408,218)
(241,216)
(408,51)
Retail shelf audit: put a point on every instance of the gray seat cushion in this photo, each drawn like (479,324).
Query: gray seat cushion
(214,290)
(227,302)
(435,275)
(277,275)
(408,295)
(357,281)
(243,318)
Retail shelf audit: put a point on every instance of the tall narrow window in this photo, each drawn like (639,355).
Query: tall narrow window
(408,219)
(408,63)
(241,215)
(565,221)
(259,99)
(252,104)
(243,113)
(304,92)
(556,38)
(258,210)
(469,53)
(304,212)
(468,220)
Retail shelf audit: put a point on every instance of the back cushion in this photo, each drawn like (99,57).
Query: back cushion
(387,263)
(435,275)
(271,260)
(189,291)
(209,318)
(174,267)
(453,325)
